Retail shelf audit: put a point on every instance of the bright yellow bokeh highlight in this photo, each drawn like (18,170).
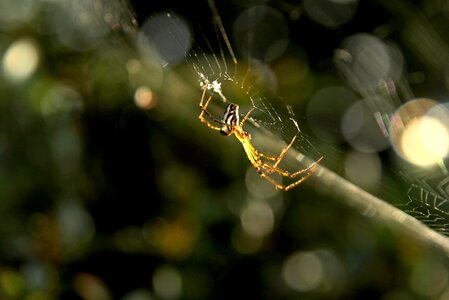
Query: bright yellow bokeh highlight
(20,60)
(419,132)
(425,141)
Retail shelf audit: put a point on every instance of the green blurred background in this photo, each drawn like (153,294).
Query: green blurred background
(110,187)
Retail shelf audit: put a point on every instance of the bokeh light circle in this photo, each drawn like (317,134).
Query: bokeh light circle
(318,270)
(165,36)
(303,271)
(326,109)
(167,282)
(20,59)
(420,132)
(76,25)
(363,169)
(330,13)
(361,130)
(265,28)
(14,13)
(368,61)
(429,277)
(257,219)
(145,98)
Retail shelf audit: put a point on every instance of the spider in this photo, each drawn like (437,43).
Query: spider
(263,163)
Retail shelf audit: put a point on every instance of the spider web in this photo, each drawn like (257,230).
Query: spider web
(427,198)
(245,79)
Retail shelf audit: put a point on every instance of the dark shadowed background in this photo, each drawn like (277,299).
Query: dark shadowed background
(110,187)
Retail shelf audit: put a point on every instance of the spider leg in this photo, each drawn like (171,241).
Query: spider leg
(269,157)
(283,187)
(204,111)
(279,158)
(265,169)
(246,116)
(202,97)
(271,169)
(292,185)
(311,169)
(272,181)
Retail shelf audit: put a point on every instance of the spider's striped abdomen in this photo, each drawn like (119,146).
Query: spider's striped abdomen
(230,119)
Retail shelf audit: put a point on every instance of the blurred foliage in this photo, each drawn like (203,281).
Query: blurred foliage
(110,188)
